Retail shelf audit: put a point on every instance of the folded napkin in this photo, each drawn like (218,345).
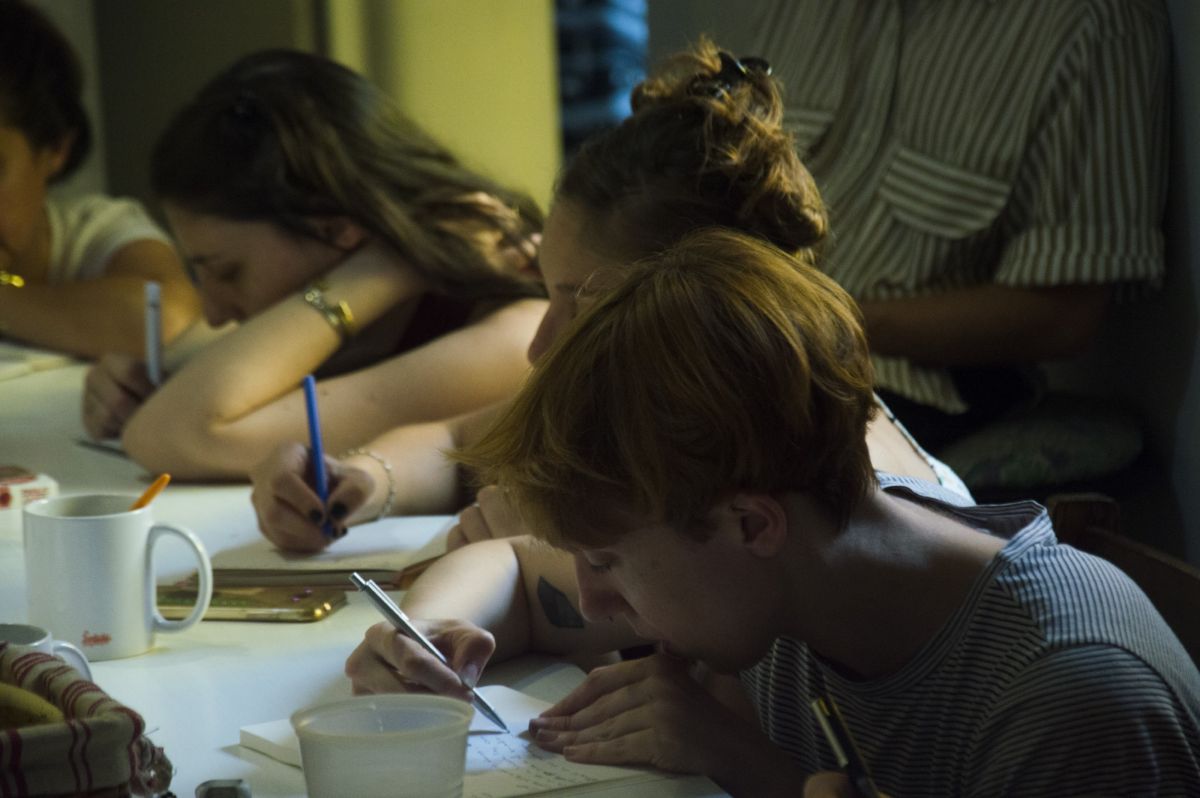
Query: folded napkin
(98,749)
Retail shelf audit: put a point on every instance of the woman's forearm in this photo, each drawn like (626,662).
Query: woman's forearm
(239,394)
(89,318)
(987,324)
(481,584)
(505,586)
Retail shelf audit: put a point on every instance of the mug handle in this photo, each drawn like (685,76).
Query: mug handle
(74,656)
(204,591)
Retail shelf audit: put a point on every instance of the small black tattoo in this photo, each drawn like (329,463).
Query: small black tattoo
(557,607)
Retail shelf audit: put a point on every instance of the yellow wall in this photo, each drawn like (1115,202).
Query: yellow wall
(478,75)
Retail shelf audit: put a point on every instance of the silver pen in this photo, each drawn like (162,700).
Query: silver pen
(399,620)
(153,324)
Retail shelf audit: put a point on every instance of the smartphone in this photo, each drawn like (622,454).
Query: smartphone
(274,603)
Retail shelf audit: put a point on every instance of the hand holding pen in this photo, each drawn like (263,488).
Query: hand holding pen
(317,448)
(396,617)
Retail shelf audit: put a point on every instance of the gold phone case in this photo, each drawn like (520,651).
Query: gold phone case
(275,603)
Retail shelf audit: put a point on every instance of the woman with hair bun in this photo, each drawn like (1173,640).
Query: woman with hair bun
(71,270)
(344,242)
(704,147)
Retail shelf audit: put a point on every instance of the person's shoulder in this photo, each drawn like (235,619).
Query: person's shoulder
(92,209)
(1076,599)
(1111,676)
(1089,719)
(1091,620)
(89,230)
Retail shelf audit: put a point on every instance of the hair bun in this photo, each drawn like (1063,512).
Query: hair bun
(705,147)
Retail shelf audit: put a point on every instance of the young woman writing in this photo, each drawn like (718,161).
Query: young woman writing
(705,146)
(343,241)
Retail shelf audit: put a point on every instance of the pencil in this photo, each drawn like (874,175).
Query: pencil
(317,448)
(148,496)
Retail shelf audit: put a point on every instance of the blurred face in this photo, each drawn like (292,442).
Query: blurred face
(703,600)
(24,229)
(242,268)
(567,264)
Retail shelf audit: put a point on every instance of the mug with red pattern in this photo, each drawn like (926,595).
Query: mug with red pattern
(89,573)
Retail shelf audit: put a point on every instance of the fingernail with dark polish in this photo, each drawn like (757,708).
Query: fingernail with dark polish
(338,510)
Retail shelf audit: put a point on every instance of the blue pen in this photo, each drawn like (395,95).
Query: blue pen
(318,451)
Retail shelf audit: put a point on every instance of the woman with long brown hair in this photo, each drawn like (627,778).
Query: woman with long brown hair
(342,240)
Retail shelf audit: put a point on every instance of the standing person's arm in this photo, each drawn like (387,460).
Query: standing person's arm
(987,324)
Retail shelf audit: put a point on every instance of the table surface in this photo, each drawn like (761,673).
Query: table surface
(198,687)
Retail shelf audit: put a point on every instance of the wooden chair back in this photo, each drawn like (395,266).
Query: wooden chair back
(1092,522)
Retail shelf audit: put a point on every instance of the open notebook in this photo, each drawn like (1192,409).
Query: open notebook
(17,360)
(499,765)
(391,551)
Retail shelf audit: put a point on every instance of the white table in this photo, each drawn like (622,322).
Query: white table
(196,688)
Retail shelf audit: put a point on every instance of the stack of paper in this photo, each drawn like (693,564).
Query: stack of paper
(499,765)
(17,360)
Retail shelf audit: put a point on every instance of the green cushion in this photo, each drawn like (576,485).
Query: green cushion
(1062,440)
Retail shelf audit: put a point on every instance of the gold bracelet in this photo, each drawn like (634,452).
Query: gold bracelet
(386,509)
(8,278)
(339,316)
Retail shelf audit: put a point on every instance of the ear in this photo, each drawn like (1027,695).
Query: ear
(763,522)
(340,232)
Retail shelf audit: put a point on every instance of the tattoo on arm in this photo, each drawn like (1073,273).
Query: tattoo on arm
(557,606)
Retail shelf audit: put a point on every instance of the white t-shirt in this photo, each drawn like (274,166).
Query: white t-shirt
(86,232)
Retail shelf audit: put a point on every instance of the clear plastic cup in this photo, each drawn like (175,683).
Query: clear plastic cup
(384,746)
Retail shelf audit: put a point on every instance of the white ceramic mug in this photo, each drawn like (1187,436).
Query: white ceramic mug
(90,577)
(25,634)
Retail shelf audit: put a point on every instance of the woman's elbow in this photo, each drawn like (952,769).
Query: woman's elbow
(168,443)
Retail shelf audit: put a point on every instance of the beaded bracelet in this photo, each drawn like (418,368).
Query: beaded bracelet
(387,469)
(339,316)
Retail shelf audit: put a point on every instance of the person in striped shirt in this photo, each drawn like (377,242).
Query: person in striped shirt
(726,509)
(995,172)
